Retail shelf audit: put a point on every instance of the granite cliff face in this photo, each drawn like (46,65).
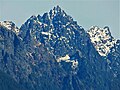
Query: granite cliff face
(52,52)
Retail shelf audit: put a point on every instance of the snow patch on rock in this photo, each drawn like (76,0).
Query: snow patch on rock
(10,26)
(101,39)
(67,59)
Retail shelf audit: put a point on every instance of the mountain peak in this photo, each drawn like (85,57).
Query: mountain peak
(58,8)
(101,39)
(33,17)
(10,26)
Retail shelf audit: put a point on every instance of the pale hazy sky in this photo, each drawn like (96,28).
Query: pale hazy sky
(86,12)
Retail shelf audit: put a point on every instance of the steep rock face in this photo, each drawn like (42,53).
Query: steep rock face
(113,60)
(52,52)
(8,83)
(26,62)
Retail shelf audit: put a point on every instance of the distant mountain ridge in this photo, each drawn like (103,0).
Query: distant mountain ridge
(52,52)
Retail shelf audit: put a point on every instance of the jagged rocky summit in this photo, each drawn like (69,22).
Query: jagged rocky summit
(52,52)
(101,39)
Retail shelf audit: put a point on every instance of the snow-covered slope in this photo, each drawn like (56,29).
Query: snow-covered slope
(101,39)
